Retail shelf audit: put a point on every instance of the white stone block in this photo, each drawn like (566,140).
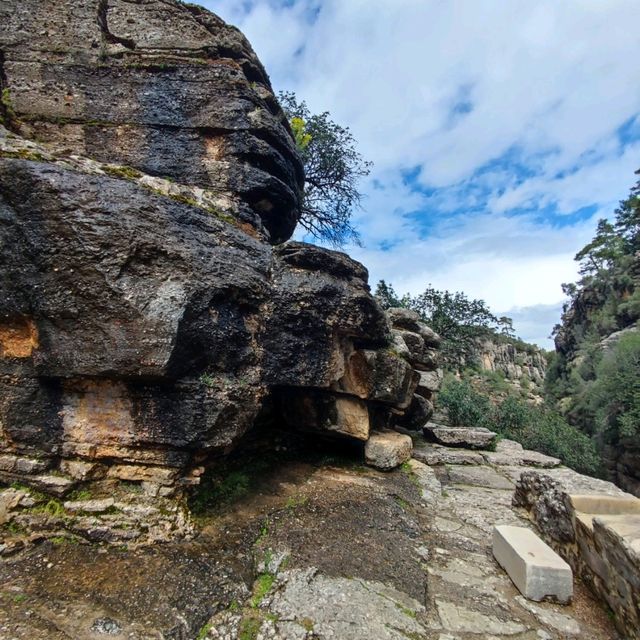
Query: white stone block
(533,566)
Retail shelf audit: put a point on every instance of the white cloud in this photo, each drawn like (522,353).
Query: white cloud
(450,88)
(536,322)
(588,185)
(508,262)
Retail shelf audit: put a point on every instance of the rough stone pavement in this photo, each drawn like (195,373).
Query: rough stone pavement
(319,551)
(468,596)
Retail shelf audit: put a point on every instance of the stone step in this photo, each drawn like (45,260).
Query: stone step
(604,504)
(534,567)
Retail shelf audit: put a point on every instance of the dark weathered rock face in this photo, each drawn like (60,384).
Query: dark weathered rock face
(146,319)
(167,88)
(140,327)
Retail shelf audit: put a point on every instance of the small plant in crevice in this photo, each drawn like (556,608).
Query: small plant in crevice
(249,627)
(261,587)
(219,491)
(296,501)
(207,380)
(8,115)
(204,631)
(121,171)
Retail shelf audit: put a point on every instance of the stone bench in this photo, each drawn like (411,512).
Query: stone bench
(533,566)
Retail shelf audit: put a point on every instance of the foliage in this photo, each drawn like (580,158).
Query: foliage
(605,296)
(615,393)
(594,386)
(539,428)
(7,114)
(249,628)
(218,491)
(466,407)
(458,320)
(332,169)
(261,587)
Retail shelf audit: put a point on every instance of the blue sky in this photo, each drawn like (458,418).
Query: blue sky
(500,131)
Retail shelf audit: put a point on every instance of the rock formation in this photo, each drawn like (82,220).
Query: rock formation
(148,316)
(513,362)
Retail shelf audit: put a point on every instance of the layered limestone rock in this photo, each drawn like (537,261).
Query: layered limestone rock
(147,318)
(419,345)
(163,87)
(514,363)
(499,366)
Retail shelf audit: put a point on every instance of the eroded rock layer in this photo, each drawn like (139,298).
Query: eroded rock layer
(161,86)
(147,321)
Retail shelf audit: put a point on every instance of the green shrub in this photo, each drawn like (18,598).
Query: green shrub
(615,394)
(552,435)
(465,406)
(539,428)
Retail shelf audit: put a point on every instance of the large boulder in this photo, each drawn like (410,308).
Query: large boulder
(148,312)
(161,86)
(150,315)
(139,327)
(379,375)
(417,414)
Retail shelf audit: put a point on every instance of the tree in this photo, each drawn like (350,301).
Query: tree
(615,395)
(458,320)
(628,218)
(602,252)
(386,295)
(332,169)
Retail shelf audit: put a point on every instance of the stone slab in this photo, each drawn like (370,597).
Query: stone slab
(537,459)
(459,436)
(481,476)
(522,457)
(535,568)
(434,454)
(509,446)
(604,505)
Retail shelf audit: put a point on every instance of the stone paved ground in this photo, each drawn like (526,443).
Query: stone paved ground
(469,595)
(466,595)
(316,550)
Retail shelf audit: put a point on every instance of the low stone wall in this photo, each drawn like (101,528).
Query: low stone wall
(597,534)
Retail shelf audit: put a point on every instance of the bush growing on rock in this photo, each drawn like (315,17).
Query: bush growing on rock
(457,319)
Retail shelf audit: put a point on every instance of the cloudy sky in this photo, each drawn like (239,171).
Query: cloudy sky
(500,131)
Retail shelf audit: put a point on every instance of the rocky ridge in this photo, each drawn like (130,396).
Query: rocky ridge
(148,316)
(580,341)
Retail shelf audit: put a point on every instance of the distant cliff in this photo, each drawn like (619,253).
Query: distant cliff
(518,362)
(584,383)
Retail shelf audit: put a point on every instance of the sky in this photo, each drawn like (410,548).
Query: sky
(500,131)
